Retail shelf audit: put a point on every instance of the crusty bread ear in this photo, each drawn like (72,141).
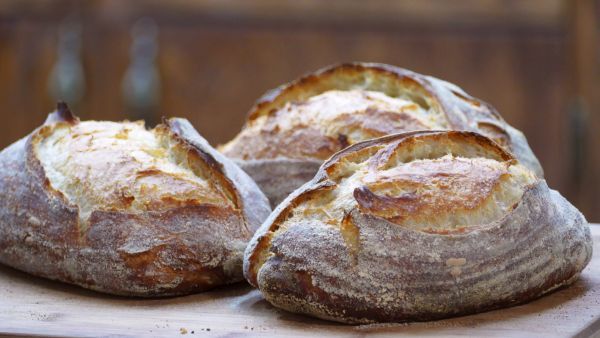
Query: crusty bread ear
(120,209)
(417,226)
(61,114)
(311,118)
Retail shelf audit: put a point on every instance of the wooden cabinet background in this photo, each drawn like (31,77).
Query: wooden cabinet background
(536,61)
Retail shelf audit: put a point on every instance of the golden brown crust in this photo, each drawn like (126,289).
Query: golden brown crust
(321,113)
(429,188)
(148,230)
(124,167)
(482,232)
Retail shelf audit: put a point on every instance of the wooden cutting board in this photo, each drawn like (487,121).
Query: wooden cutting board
(32,306)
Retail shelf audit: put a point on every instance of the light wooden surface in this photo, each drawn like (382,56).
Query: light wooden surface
(32,306)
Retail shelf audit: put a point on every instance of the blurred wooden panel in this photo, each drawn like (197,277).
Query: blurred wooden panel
(529,13)
(26,57)
(584,105)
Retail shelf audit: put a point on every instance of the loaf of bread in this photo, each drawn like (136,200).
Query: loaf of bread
(124,210)
(291,130)
(417,226)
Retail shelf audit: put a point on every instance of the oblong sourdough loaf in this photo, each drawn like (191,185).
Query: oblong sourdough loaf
(292,129)
(124,210)
(417,226)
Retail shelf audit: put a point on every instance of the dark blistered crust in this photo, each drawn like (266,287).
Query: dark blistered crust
(462,111)
(186,249)
(61,114)
(395,274)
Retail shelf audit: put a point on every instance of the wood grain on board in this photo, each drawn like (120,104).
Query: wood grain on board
(31,306)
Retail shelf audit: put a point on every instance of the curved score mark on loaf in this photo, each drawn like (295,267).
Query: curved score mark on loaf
(469,99)
(488,121)
(345,163)
(208,163)
(369,201)
(457,143)
(392,81)
(495,132)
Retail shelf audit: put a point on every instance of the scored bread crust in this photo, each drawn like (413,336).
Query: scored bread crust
(157,251)
(456,109)
(362,266)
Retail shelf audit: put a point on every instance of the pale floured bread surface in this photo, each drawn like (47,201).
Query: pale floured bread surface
(325,123)
(417,226)
(123,167)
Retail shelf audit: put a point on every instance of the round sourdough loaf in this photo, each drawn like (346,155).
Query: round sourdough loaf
(292,129)
(417,226)
(120,209)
